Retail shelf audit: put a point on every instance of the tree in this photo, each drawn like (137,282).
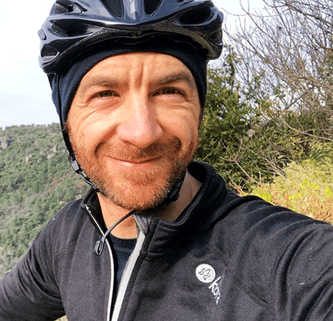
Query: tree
(289,45)
(234,137)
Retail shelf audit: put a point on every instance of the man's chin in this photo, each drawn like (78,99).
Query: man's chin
(142,202)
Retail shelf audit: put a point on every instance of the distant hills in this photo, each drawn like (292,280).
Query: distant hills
(36,180)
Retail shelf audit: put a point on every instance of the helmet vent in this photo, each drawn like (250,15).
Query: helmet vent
(151,6)
(216,37)
(49,51)
(115,7)
(196,16)
(63,7)
(73,30)
(59,8)
(58,30)
(80,29)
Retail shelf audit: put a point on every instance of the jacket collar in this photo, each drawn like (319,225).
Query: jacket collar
(210,196)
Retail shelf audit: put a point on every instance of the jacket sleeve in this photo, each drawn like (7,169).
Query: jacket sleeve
(303,279)
(29,290)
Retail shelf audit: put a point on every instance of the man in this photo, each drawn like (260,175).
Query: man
(158,237)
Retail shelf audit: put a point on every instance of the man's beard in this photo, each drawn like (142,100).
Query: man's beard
(151,187)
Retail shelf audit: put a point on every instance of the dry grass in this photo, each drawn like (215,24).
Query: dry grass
(307,189)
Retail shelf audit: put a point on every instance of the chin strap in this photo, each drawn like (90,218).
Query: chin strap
(173,193)
(171,197)
(99,245)
(78,170)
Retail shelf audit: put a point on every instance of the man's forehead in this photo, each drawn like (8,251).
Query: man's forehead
(68,84)
(130,59)
(162,68)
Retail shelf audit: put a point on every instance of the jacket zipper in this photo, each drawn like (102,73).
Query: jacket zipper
(127,275)
(131,263)
(111,267)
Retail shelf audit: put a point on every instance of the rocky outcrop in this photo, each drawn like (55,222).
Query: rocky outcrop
(4,142)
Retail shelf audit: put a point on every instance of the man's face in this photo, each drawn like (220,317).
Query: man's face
(133,125)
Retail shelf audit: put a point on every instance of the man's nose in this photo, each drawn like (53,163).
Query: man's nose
(139,125)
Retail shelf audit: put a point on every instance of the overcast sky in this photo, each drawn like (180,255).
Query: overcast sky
(25,96)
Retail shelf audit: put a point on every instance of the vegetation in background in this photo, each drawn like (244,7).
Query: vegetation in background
(244,136)
(228,137)
(289,47)
(35,182)
(307,188)
(289,44)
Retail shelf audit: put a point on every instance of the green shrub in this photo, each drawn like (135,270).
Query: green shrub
(307,188)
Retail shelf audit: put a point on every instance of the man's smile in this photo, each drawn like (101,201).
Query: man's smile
(137,163)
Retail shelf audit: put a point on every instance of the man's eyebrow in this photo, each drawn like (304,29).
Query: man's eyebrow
(99,80)
(179,76)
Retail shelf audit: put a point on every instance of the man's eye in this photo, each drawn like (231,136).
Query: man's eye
(170,91)
(107,93)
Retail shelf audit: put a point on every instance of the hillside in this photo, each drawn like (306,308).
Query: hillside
(36,180)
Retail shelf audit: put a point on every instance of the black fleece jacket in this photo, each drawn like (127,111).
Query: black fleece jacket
(225,258)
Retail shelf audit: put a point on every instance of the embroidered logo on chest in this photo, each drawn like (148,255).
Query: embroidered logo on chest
(206,274)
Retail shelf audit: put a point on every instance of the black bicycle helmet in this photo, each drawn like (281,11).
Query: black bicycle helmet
(74,26)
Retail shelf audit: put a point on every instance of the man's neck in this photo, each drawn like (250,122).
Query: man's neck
(127,228)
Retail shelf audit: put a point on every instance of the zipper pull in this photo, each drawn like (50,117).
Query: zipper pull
(99,245)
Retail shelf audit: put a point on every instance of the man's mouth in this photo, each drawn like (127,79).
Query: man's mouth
(137,162)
